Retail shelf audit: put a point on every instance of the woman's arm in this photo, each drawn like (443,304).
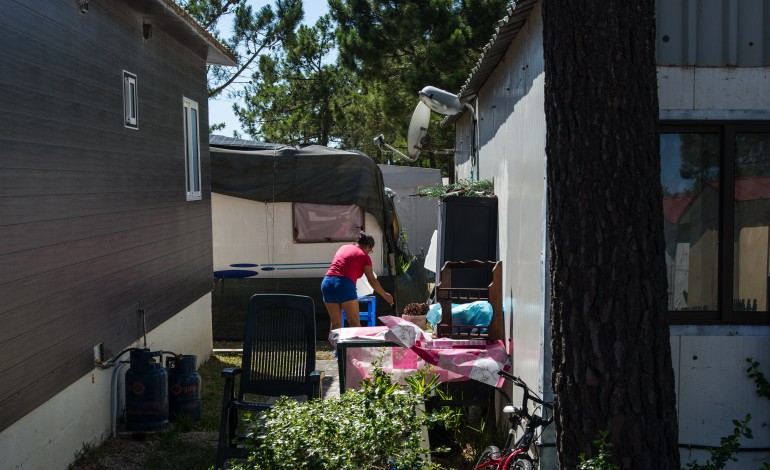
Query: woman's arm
(376,284)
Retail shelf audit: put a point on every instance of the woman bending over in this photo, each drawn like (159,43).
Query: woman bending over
(339,285)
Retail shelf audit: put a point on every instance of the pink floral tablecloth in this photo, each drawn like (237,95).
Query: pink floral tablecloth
(453,360)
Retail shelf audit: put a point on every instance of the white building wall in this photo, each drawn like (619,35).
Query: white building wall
(511,116)
(49,437)
(512,153)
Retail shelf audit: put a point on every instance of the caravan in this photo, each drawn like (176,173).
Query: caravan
(279,214)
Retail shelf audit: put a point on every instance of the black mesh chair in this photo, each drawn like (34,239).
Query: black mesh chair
(278,360)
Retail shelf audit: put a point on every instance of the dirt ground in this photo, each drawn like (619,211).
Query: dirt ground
(116,454)
(127,453)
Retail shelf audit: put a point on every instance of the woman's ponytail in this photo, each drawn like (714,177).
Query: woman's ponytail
(365,239)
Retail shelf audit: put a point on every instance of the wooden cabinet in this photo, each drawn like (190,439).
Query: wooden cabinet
(449,292)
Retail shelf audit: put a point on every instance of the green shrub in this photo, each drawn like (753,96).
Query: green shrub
(728,448)
(600,461)
(374,428)
(469,188)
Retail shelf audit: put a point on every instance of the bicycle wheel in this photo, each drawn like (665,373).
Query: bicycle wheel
(490,453)
(523,464)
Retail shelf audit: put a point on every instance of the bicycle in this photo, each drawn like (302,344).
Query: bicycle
(517,457)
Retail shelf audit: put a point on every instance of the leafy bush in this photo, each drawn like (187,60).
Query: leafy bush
(600,461)
(468,188)
(374,428)
(763,386)
(728,448)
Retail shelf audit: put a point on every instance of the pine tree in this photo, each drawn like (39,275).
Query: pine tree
(612,366)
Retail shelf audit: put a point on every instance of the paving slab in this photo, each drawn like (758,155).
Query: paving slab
(330,383)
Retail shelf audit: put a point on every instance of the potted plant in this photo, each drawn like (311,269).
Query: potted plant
(415,313)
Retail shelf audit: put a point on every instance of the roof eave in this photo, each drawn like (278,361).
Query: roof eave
(494,51)
(181,24)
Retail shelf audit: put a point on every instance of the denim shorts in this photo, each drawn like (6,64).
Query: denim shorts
(338,289)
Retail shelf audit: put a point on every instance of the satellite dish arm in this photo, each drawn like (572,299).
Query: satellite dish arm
(379,141)
(470,108)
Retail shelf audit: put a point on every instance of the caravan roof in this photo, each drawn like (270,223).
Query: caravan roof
(313,174)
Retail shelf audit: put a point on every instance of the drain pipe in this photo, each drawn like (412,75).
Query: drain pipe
(114,402)
(144,324)
(118,367)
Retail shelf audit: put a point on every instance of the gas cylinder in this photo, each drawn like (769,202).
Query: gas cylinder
(184,387)
(146,393)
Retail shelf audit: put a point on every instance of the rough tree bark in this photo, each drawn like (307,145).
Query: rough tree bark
(611,353)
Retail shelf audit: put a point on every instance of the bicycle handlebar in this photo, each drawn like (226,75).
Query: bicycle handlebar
(529,395)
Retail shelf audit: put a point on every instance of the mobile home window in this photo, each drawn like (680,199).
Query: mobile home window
(327,222)
(716,211)
(192,150)
(130,101)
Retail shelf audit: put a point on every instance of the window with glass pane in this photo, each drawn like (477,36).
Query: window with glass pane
(751,221)
(130,101)
(690,170)
(327,222)
(192,150)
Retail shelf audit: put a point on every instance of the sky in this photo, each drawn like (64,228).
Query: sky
(221,108)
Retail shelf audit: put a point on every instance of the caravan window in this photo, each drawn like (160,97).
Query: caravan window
(326,222)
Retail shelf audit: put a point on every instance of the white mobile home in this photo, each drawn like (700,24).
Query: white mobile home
(714,99)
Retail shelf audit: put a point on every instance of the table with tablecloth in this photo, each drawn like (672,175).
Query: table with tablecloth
(401,348)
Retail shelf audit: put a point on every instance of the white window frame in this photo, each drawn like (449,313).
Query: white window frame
(130,101)
(192,149)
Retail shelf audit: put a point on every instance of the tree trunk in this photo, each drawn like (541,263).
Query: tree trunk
(611,351)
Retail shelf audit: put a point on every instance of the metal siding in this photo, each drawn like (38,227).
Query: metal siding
(462,156)
(713,32)
(670,47)
(512,152)
(100,223)
(752,32)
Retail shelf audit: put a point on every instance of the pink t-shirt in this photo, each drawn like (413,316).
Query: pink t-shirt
(349,262)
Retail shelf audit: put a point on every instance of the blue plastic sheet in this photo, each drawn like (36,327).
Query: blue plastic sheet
(473,313)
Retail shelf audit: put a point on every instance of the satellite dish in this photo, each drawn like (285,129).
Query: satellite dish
(418,129)
(431,99)
(440,101)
